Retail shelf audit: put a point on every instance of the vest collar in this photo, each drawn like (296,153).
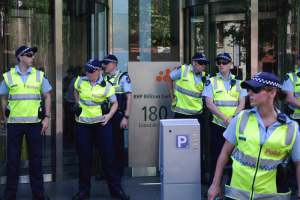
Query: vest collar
(259,119)
(17,68)
(98,82)
(219,75)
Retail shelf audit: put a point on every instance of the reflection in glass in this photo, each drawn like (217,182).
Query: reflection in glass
(154,35)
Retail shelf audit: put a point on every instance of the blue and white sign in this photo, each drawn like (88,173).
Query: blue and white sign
(182,141)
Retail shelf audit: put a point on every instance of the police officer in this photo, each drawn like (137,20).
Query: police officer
(93,124)
(22,91)
(291,85)
(185,86)
(258,140)
(224,98)
(122,84)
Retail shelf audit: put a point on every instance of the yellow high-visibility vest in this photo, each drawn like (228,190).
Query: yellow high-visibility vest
(24,98)
(254,166)
(91,99)
(188,94)
(226,101)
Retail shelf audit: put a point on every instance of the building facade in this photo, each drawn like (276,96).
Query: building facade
(259,34)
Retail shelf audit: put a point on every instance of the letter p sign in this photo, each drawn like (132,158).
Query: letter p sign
(182,141)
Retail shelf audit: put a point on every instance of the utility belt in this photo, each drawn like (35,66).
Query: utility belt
(105,108)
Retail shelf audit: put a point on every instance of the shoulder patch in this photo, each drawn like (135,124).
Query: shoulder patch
(207,82)
(286,77)
(128,79)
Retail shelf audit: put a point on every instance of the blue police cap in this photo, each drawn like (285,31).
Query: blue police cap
(92,65)
(21,50)
(200,57)
(110,58)
(224,56)
(262,79)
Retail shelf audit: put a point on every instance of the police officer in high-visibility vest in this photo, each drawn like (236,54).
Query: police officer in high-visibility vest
(185,86)
(224,98)
(291,85)
(259,141)
(122,84)
(22,90)
(93,125)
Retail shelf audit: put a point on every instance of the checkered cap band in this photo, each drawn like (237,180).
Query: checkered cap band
(266,82)
(92,66)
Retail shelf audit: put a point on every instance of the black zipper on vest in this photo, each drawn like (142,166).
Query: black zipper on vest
(252,188)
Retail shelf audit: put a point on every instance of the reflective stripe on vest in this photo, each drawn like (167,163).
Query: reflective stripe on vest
(90,103)
(241,194)
(226,103)
(23,119)
(91,120)
(24,97)
(188,93)
(264,164)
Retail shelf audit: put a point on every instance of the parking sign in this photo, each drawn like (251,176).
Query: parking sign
(182,141)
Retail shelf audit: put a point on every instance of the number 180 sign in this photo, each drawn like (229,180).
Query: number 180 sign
(151,102)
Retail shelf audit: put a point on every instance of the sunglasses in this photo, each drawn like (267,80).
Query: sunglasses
(255,90)
(222,63)
(28,55)
(202,62)
(90,70)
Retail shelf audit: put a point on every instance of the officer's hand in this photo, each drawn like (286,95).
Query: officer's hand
(107,117)
(227,121)
(76,110)
(214,191)
(45,124)
(124,123)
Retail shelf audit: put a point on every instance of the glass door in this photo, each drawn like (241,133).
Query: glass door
(17,27)
(98,41)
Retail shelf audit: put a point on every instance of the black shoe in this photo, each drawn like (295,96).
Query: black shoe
(81,196)
(119,194)
(40,197)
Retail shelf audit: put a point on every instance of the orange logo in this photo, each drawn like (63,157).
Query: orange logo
(163,76)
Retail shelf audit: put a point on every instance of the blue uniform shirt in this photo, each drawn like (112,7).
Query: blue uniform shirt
(176,75)
(230,133)
(288,85)
(46,87)
(208,89)
(112,98)
(125,82)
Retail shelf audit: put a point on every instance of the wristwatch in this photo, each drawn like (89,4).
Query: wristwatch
(126,116)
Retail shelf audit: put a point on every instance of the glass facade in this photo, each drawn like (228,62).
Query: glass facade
(154,30)
(139,30)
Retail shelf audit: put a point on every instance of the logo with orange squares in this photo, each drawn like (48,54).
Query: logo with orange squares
(163,75)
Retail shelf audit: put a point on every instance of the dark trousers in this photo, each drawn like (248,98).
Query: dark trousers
(33,135)
(86,135)
(217,141)
(200,119)
(118,143)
